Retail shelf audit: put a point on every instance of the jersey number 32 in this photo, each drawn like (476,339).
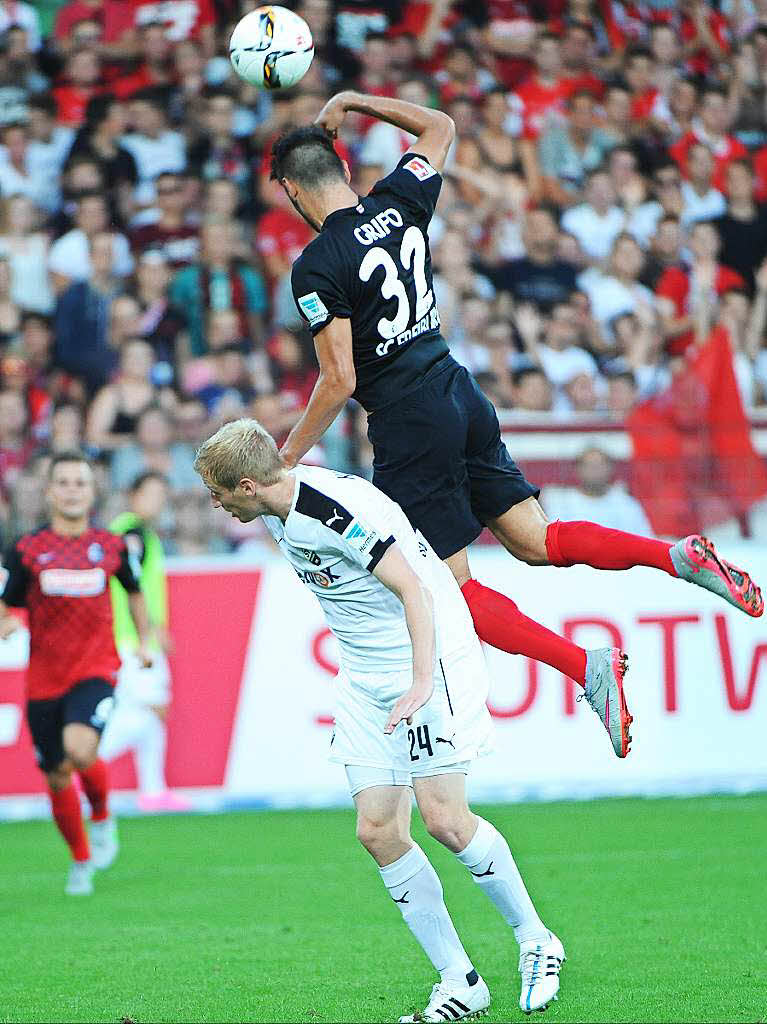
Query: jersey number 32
(412,254)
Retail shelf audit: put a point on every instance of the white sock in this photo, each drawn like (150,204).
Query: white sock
(413,884)
(492,866)
(150,754)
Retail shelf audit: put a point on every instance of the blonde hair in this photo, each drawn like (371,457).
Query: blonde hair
(237,450)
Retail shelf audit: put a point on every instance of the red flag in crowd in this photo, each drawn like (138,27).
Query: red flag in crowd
(694,463)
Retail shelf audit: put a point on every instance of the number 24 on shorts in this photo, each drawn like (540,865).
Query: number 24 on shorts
(419,735)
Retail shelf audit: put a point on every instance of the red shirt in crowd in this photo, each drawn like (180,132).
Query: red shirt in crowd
(674,284)
(181,246)
(281,231)
(64,584)
(538,100)
(725,152)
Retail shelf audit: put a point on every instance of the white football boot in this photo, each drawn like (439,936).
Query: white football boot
(104,843)
(453,1001)
(539,965)
(80,880)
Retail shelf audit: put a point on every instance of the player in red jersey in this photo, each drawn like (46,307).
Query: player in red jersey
(61,573)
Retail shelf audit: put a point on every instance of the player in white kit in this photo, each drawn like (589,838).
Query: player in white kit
(410,709)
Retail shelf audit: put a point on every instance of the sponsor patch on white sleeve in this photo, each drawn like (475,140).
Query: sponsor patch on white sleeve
(360,536)
(420,168)
(313,308)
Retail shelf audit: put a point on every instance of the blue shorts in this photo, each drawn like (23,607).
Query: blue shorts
(89,702)
(438,453)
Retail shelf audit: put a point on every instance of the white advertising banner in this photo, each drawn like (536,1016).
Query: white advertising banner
(694,686)
(253,690)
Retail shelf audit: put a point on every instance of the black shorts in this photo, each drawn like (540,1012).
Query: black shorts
(438,453)
(89,702)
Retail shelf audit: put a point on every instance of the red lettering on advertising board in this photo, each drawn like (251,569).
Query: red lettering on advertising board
(668,624)
(736,701)
(326,664)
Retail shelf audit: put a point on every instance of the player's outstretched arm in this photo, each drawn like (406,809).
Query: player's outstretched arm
(434,130)
(335,385)
(395,573)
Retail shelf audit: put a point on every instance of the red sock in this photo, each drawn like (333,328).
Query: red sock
(501,624)
(96,785)
(588,544)
(69,818)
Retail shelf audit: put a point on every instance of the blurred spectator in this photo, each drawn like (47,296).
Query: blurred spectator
(617,290)
(539,277)
(220,153)
(701,200)
(711,130)
(169,230)
(82,320)
(597,497)
(20,176)
(99,140)
(69,258)
(154,62)
(743,227)
(67,428)
(598,221)
(532,390)
(154,448)
(26,248)
(552,344)
(15,447)
(80,81)
(10,314)
(116,407)
(16,13)
(158,322)
(216,282)
(49,143)
(693,292)
(665,250)
(569,149)
(152,143)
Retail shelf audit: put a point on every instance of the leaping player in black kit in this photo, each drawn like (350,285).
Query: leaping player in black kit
(364,286)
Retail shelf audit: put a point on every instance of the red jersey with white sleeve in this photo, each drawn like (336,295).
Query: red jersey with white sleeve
(64,584)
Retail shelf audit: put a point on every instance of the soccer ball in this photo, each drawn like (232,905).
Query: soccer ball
(271,48)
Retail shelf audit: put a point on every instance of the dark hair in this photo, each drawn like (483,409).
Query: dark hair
(306,155)
(29,316)
(527,371)
(376,36)
(43,101)
(148,474)
(69,456)
(639,51)
(98,107)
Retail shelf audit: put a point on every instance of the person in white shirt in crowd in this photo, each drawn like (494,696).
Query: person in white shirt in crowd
(20,176)
(701,201)
(49,142)
(152,144)
(597,496)
(598,221)
(617,289)
(667,188)
(69,258)
(552,344)
(26,248)
(16,12)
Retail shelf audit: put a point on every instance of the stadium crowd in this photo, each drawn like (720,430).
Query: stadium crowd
(601,216)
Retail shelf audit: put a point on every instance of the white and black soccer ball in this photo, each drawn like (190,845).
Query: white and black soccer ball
(271,48)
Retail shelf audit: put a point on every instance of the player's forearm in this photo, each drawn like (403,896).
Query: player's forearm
(408,116)
(419,615)
(140,616)
(327,399)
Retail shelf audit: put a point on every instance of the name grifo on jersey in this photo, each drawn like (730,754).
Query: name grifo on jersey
(378,227)
(72,582)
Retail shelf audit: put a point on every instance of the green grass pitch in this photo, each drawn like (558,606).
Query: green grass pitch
(661,905)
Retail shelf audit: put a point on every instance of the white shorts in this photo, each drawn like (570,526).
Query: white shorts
(452,728)
(139,685)
(361,777)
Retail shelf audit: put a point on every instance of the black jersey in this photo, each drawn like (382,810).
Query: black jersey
(371,264)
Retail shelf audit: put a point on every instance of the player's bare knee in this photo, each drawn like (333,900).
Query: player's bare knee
(376,833)
(60,777)
(81,755)
(444,824)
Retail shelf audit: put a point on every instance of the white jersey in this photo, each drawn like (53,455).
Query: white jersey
(338,529)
